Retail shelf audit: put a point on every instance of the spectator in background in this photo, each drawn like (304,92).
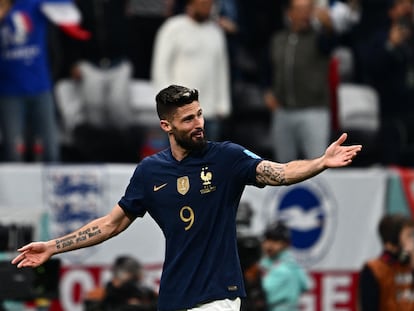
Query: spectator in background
(228,20)
(372,16)
(388,64)
(386,282)
(249,249)
(27,110)
(102,73)
(258,21)
(250,254)
(145,17)
(190,49)
(101,65)
(299,91)
(125,291)
(283,279)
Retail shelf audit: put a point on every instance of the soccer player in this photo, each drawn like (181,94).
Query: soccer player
(192,190)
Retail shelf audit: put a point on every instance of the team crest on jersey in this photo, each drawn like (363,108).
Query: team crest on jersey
(183,185)
(206,178)
(18,33)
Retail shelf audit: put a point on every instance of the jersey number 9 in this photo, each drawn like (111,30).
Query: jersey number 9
(187,216)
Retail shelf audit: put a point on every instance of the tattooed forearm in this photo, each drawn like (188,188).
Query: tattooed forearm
(80,237)
(65,242)
(269,173)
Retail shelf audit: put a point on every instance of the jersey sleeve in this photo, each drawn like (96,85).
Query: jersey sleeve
(243,163)
(132,200)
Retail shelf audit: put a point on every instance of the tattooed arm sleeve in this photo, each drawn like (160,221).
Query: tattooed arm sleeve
(277,174)
(336,155)
(94,232)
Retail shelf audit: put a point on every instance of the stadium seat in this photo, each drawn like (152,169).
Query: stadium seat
(358,115)
(69,105)
(82,142)
(358,107)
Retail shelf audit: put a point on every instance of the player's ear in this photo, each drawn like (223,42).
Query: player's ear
(165,126)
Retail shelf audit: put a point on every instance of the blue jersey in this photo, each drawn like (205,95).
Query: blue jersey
(24,68)
(194,201)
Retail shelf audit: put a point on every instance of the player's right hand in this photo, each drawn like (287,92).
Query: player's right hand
(32,255)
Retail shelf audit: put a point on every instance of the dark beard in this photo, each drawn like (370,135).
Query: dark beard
(189,144)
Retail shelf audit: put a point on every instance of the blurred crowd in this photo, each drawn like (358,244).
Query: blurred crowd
(125,291)
(281,77)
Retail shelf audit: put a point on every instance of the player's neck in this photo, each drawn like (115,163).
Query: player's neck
(178,152)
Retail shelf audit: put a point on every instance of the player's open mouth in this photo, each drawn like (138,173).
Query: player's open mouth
(198,134)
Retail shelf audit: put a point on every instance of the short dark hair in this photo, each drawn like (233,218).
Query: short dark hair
(390,227)
(127,264)
(277,231)
(172,97)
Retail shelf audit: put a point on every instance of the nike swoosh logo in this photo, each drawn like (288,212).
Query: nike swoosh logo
(156,188)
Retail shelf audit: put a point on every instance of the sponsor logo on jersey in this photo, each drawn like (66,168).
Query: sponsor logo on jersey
(156,187)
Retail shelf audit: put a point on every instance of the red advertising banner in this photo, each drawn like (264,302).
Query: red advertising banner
(331,290)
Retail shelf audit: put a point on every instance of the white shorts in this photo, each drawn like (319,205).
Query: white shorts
(219,305)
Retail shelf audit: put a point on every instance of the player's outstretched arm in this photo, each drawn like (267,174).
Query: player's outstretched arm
(336,155)
(95,232)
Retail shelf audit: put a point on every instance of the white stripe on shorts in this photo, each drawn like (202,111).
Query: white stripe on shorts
(219,305)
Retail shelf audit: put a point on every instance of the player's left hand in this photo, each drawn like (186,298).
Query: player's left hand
(337,155)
